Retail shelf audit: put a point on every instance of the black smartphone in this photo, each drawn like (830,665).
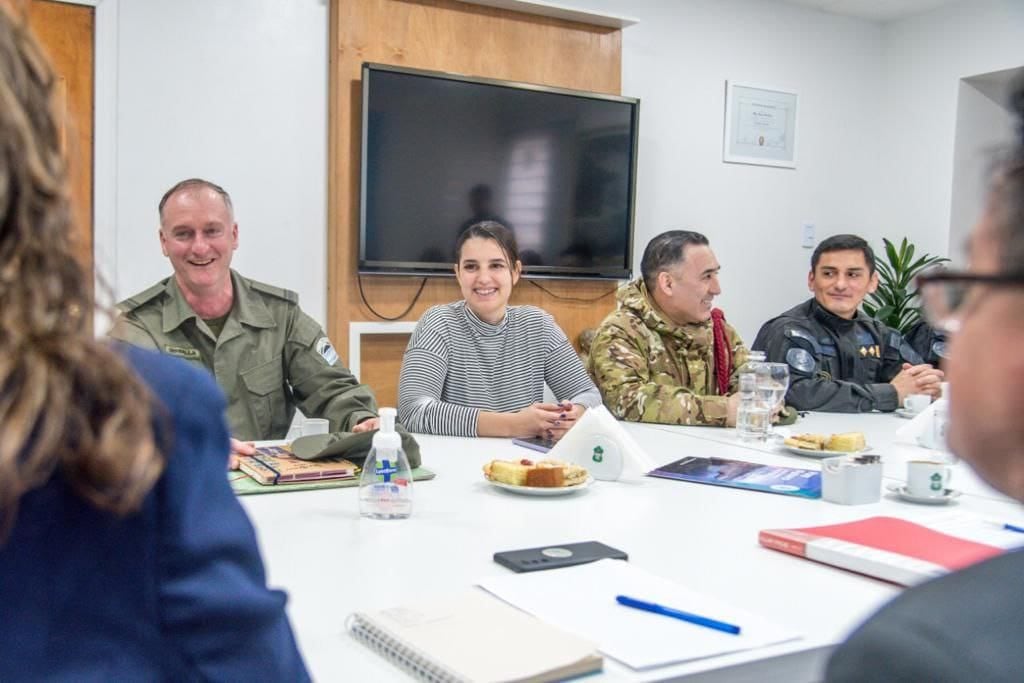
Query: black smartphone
(536,443)
(555,556)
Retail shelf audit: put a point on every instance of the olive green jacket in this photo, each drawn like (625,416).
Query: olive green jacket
(269,359)
(651,370)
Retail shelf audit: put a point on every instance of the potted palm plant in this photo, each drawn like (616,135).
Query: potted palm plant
(895,301)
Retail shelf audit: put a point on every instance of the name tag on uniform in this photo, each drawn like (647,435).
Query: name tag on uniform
(183,352)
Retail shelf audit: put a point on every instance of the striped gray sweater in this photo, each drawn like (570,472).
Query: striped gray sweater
(457,365)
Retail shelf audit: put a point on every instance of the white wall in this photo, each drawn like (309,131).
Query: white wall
(676,59)
(234,91)
(877,110)
(983,126)
(925,58)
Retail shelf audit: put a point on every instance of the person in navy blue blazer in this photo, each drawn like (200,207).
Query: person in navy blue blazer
(124,554)
(968,625)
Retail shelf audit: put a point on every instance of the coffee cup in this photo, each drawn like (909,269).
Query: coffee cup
(915,403)
(928,478)
(315,425)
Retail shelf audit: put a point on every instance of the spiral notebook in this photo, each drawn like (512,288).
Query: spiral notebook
(473,637)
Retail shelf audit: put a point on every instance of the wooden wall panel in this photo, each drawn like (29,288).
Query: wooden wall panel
(443,35)
(67,34)
(381,373)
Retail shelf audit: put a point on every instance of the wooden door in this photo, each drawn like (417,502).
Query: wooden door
(67,33)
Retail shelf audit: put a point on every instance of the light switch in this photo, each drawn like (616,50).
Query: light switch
(807,236)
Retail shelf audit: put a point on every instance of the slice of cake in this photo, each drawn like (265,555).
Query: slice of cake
(847,442)
(808,442)
(571,473)
(508,472)
(543,474)
(546,476)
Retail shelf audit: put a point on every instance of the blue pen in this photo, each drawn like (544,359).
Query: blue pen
(1011,527)
(678,614)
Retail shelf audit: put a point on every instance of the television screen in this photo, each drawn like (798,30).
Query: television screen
(441,152)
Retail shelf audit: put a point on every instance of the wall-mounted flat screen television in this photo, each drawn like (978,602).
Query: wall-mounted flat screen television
(441,152)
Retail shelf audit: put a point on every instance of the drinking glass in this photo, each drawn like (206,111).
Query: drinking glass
(772,383)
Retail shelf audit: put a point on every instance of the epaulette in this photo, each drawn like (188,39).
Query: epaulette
(143,297)
(279,292)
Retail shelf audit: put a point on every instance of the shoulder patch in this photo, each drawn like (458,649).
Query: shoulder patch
(800,360)
(326,349)
(797,333)
(143,297)
(279,292)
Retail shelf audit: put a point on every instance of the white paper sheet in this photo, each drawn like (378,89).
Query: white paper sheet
(978,529)
(581,600)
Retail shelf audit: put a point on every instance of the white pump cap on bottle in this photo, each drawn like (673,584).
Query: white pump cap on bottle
(387,440)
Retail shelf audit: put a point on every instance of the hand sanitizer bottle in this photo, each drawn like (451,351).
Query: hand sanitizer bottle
(385,484)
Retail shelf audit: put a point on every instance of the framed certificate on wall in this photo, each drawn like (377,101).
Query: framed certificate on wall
(760,125)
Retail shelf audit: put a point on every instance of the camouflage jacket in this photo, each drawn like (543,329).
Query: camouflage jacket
(651,370)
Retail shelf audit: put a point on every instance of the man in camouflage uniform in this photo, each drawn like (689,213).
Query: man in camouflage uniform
(654,357)
(266,354)
(840,360)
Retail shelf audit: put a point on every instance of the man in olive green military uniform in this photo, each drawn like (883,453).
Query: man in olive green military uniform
(266,354)
(654,358)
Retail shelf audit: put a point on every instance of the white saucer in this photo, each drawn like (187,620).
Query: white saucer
(542,490)
(901,491)
(796,450)
(906,414)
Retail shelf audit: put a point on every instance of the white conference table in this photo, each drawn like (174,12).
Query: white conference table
(331,562)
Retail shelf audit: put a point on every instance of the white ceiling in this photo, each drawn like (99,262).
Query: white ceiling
(880,11)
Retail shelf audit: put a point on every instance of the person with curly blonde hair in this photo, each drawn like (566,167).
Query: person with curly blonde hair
(123,552)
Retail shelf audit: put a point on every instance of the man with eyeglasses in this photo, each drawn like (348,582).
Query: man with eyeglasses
(265,353)
(840,359)
(969,625)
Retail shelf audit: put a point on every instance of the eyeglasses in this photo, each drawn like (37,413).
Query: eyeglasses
(944,292)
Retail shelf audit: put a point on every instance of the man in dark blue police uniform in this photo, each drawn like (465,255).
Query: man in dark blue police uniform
(841,360)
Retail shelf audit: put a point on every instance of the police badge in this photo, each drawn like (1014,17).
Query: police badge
(800,360)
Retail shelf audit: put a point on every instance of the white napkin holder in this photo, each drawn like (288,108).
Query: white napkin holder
(600,444)
(928,428)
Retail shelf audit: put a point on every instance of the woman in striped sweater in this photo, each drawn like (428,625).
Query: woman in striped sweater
(478,367)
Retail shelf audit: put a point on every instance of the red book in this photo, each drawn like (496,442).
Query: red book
(883,547)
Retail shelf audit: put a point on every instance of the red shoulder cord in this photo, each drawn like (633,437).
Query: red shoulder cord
(723,354)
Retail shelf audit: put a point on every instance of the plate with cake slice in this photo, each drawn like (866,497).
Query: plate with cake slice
(537,478)
(826,445)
